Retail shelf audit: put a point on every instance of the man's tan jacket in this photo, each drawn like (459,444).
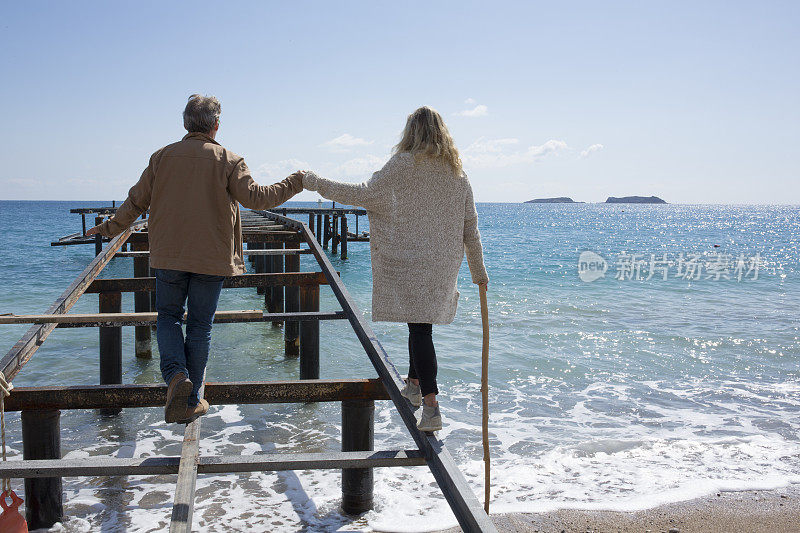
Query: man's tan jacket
(193,189)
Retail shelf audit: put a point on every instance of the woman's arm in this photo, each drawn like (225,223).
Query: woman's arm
(371,194)
(472,240)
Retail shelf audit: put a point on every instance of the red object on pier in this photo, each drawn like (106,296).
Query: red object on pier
(10,519)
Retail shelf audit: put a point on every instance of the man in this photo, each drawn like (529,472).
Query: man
(193,189)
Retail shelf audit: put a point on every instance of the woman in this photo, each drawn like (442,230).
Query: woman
(422,217)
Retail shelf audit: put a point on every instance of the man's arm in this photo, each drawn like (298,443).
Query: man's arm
(251,195)
(137,203)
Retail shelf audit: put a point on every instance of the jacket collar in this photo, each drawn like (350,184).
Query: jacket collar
(199,136)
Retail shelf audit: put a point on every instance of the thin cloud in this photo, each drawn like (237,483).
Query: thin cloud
(359,166)
(345,142)
(550,147)
(81,181)
(503,152)
(279,170)
(22,182)
(479,110)
(356,168)
(592,149)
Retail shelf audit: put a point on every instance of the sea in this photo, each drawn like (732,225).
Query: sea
(639,355)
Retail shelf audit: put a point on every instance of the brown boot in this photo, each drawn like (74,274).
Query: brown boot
(177,397)
(193,413)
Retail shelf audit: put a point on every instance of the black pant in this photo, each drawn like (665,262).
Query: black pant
(422,357)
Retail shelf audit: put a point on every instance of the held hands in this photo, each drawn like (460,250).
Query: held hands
(298,177)
(93,231)
(483,285)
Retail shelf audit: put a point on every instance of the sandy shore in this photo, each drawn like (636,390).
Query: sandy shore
(773,511)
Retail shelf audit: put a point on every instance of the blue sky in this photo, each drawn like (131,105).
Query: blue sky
(696,102)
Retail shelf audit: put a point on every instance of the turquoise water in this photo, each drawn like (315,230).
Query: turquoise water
(612,394)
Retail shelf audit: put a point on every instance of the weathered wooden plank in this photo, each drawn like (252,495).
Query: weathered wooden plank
(183,504)
(255,231)
(253,223)
(269,236)
(259,236)
(310,461)
(155,395)
(466,507)
(231,282)
(24,349)
(94,210)
(278,251)
(302,316)
(150,466)
(315,210)
(114,318)
(142,253)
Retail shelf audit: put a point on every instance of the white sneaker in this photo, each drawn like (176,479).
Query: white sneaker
(431,419)
(412,393)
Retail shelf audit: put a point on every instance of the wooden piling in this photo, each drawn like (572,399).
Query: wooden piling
(277,304)
(267,269)
(260,264)
(358,434)
(41,439)
(251,258)
(141,302)
(319,228)
(98,239)
(291,329)
(326,234)
(335,237)
(152,295)
(309,333)
(110,345)
(343,238)
(311,219)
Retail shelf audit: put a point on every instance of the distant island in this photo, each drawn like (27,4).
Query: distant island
(610,200)
(559,200)
(635,200)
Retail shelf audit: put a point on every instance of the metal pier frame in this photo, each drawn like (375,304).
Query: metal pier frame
(43,467)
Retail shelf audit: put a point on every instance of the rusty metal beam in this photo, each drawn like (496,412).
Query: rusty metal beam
(220,464)
(149,318)
(267,236)
(233,393)
(231,282)
(275,251)
(315,210)
(24,349)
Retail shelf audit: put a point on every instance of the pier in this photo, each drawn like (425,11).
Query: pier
(328,224)
(291,300)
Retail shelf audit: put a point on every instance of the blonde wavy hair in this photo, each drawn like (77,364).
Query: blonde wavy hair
(425,134)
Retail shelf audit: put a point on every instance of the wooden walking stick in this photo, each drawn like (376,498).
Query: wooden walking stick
(485,395)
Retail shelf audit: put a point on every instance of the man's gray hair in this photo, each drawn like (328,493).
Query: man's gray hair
(201,113)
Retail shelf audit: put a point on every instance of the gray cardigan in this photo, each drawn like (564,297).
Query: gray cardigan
(422,218)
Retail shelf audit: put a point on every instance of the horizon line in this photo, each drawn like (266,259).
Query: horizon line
(603,202)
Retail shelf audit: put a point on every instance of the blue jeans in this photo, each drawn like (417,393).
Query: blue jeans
(190,355)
